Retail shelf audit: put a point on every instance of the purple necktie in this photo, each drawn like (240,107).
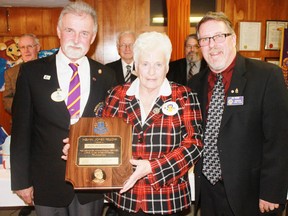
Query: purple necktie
(73,102)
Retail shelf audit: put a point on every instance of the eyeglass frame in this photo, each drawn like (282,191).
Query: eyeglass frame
(192,47)
(125,46)
(219,36)
(28,47)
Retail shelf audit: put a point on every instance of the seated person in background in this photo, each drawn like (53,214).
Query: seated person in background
(29,47)
(125,65)
(182,70)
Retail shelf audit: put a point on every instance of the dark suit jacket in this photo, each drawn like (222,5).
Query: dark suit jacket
(39,126)
(253,137)
(117,67)
(178,70)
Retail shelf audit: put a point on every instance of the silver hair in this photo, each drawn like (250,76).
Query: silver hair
(79,8)
(121,34)
(36,40)
(150,41)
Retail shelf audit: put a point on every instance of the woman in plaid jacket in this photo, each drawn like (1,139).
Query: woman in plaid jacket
(167,133)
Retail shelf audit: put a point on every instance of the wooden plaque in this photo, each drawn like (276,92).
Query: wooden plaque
(99,154)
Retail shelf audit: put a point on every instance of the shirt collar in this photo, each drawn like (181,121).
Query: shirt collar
(125,64)
(165,89)
(63,58)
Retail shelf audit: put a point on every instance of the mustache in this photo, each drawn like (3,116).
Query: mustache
(72,44)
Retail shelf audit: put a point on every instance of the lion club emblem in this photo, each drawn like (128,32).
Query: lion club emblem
(100,128)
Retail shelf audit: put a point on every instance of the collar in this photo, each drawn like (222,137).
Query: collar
(125,64)
(63,58)
(165,89)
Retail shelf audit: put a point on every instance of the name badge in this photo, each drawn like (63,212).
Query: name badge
(235,101)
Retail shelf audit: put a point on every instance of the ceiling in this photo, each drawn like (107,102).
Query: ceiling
(33,3)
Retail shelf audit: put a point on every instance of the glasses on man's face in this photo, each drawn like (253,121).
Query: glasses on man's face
(125,46)
(219,38)
(29,47)
(190,47)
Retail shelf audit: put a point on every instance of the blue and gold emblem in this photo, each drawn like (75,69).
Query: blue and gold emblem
(100,127)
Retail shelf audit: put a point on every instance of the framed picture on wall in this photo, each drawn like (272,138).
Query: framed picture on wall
(273,34)
(249,36)
(273,60)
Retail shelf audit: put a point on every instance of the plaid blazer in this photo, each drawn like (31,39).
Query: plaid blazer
(172,144)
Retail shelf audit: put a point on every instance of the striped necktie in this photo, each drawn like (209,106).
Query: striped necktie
(190,73)
(73,102)
(128,74)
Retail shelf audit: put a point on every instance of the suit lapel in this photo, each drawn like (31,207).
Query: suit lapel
(52,71)
(236,88)
(94,84)
(155,112)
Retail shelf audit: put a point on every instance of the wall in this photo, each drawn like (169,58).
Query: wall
(119,15)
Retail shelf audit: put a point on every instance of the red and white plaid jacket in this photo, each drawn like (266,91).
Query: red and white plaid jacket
(172,144)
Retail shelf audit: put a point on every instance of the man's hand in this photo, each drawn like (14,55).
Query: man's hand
(266,206)
(143,168)
(65,149)
(26,195)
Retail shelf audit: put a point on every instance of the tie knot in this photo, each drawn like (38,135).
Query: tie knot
(128,68)
(219,76)
(192,64)
(74,66)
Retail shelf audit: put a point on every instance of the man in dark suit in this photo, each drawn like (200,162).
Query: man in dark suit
(41,119)
(124,67)
(180,71)
(251,143)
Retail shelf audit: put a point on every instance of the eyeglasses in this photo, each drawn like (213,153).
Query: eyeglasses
(125,46)
(219,38)
(189,47)
(27,47)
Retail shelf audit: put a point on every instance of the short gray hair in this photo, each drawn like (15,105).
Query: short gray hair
(217,16)
(151,40)
(36,40)
(194,36)
(79,8)
(124,33)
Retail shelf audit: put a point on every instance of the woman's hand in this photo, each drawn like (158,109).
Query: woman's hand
(143,168)
(65,149)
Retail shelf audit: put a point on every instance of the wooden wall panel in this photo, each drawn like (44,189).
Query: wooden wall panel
(3,21)
(119,15)
(17,21)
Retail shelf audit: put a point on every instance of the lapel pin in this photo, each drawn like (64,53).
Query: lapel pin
(46,77)
(99,71)
(156,110)
(236,90)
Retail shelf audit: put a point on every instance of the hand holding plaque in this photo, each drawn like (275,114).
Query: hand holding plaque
(99,153)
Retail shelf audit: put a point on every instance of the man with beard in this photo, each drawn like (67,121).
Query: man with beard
(42,112)
(182,70)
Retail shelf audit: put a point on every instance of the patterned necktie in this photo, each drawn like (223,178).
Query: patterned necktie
(211,161)
(73,102)
(128,74)
(190,73)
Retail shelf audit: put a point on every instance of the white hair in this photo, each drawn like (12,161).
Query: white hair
(150,41)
